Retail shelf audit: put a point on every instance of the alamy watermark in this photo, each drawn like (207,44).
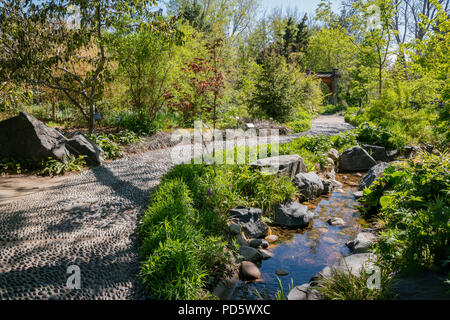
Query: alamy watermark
(74,280)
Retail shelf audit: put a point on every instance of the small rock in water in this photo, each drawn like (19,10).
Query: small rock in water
(281,272)
(249,270)
(266,254)
(335,221)
(340,191)
(322,230)
(272,238)
(255,243)
(264,244)
(358,194)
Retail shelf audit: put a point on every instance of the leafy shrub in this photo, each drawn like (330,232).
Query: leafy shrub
(180,259)
(173,271)
(112,149)
(413,200)
(53,167)
(331,109)
(301,123)
(281,91)
(347,286)
(41,167)
(380,136)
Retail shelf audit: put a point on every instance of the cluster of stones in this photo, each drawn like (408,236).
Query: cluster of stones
(252,234)
(355,159)
(26,137)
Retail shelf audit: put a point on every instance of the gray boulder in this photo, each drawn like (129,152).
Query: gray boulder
(304,292)
(372,175)
(362,243)
(329,185)
(309,184)
(377,152)
(287,164)
(249,271)
(426,285)
(249,219)
(24,136)
(292,215)
(255,243)
(333,154)
(353,264)
(250,254)
(80,145)
(355,159)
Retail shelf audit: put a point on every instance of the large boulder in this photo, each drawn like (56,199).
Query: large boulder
(362,243)
(80,145)
(309,184)
(351,264)
(292,215)
(249,219)
(355,159)
(24,136)
(426,285)
(375,172)
(286,164)
(377,152)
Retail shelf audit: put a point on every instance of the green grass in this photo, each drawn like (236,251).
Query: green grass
(343,285)
(183,232)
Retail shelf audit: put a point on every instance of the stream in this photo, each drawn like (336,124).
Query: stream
(304,252)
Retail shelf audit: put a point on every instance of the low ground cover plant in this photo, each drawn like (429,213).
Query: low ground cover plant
(412,200)
(48,167)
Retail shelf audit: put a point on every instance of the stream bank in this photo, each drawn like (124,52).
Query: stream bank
(299,254)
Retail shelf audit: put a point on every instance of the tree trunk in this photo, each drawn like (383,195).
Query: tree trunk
(91,117)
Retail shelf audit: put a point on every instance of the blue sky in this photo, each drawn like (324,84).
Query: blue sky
(302,5)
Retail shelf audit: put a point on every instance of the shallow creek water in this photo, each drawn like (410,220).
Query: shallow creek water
(304,252)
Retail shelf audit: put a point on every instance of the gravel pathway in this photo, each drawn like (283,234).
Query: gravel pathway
(90,221)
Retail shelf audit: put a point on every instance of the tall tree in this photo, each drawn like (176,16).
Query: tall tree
(61,45)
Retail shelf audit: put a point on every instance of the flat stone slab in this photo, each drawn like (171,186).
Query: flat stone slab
(286,164)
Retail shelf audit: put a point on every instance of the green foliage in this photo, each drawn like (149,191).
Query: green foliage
(281,295)
(49,167)
(279,91)
(344,285)
(188,213)
(144,62)
(413,200)
(106,142)
(380,136)
(179,258)
(314,149)
(53,167)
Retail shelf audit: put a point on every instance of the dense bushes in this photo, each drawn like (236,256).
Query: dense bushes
(49,167)
(313,149)
(183,250)
(281,91)
(380,136)
(413,201)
